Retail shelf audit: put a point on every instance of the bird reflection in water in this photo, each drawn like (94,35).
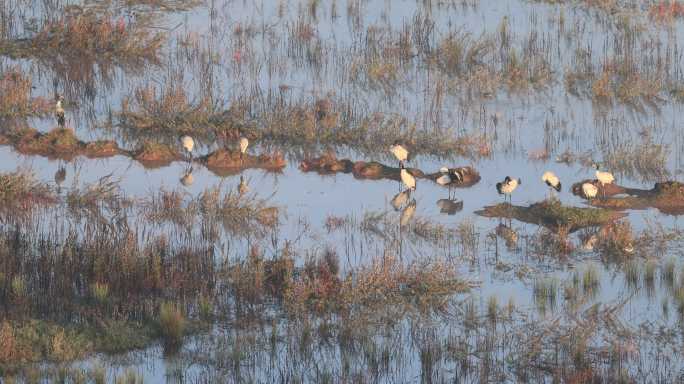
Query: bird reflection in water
(400,199)
(407,213)
(187,179)
(450,207)
(60,176)
(242,188)
(509,236)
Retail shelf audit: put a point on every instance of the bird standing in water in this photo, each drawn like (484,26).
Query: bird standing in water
(399,152)
(59,111)
(244,143)
(507,186)
(604,178)
(552,180)
(448,177)
(188,144)
(407,178)
(589,190)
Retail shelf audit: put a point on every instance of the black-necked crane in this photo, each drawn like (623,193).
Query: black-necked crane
(400,152)
(552,180)
(188,144)
(407,178)
(244,143)
(589,190)
(59,111)
(604,178)
(448,177)
(507,186)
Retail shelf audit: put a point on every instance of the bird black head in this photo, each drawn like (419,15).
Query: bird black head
(507,179)
(396,142)
(596,166)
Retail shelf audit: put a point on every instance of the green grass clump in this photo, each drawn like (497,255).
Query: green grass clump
(554,215)
(172,323)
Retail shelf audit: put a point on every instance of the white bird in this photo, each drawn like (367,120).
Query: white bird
(507,186)
(400,199)
(188,144)
(448,176)
(399,152)
(445,179)
(589,190)
(552,180)
(59,111)
(407,178)
(604,178)
(244,143)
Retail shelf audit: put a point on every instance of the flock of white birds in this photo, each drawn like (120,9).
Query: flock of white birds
(505,187)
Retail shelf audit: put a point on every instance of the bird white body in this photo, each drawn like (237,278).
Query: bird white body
(444,180)
(244,143)
(507,187)
(188,143)
(605,177)
(407,179)
(590,191)
(399,152)
(59,112)
(551,180)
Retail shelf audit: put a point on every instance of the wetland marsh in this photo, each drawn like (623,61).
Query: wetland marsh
(126,258)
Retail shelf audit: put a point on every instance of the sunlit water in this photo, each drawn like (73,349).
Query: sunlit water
(549,119)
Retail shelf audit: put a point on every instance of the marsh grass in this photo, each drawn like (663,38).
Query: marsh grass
(128,272)
(172,323)
(616,240)
(645,160)
(545,292)
(21,193)
(15,96)
(88,36)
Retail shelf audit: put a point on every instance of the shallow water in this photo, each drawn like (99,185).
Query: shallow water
(528,122)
